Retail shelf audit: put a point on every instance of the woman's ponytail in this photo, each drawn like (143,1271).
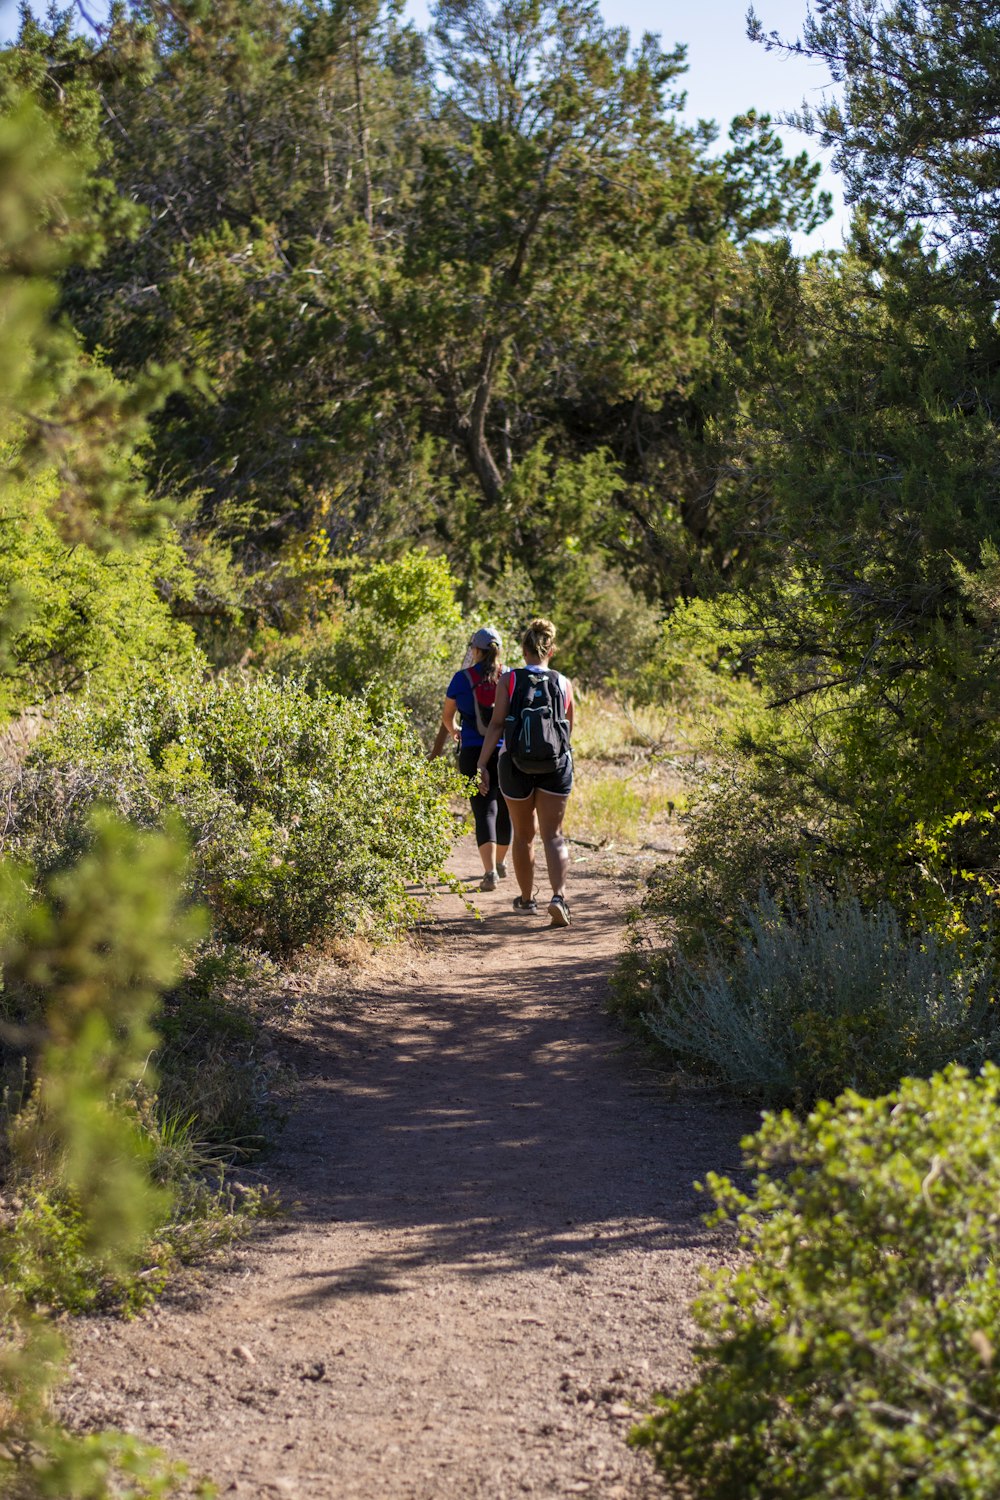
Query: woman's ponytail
(539,639)
(491,663)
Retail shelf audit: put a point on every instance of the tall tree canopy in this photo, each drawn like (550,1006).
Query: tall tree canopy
(465,287)
(913,126)
(868,449)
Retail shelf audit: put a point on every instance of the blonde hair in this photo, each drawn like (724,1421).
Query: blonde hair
(539,639)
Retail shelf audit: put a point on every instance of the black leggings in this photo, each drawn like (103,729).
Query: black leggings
(490,812)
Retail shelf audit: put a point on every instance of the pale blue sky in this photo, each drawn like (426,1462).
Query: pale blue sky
(726,74)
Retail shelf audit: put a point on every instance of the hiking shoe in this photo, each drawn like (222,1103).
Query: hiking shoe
(531,905)
(559,911)
(502,869)
(489,881)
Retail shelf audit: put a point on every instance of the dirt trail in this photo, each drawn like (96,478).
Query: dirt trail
(494,1244)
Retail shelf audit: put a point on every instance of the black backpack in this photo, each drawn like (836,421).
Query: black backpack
(537,734)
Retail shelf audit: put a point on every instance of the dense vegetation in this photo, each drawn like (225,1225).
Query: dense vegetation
(326,339)
(854,1354)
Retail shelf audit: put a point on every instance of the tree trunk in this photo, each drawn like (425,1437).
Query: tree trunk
(359,98)
(484,465)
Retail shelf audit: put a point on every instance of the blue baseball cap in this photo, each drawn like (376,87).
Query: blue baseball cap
(485,637)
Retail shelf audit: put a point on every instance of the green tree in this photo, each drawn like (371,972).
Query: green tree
(269,146)
(59,405)
(465,288)
(913,124)
(863,449)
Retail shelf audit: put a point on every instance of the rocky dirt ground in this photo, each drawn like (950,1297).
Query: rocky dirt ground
(490,1245)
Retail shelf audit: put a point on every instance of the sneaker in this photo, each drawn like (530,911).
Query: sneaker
(531,905)
(489,881)
(502,869)
(559,911)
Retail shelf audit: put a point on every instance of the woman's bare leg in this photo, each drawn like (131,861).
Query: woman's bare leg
(551,811)
(522,817)
(488,855)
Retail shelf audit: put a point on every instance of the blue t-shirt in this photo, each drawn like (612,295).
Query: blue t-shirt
(460,689)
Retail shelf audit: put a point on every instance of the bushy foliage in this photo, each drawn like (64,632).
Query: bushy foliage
(738,838)
(399,638)
(853,1354)
(607,632)
(78,615)
(822,997)
(85,959)
(695,668)
(307,815)
(62,408)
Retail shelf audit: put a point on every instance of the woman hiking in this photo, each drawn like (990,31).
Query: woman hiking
(471,693)
(534,713)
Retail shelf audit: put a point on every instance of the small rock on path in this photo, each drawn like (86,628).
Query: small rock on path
(491,1247)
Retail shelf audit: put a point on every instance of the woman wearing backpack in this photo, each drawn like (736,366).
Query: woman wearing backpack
(471,694)
(534,714)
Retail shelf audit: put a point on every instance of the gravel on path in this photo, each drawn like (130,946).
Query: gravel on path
(491,1243)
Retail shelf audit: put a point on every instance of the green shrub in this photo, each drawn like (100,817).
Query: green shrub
(694,667)
(822,998)
(86,958)
(307,815)
(737,839)
(48,1262)
(83,614)
(853,1355)
(400,638)
(608,625)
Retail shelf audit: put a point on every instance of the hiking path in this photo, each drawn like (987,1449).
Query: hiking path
(489,1246)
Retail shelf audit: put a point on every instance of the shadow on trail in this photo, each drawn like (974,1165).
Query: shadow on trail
(497,1126)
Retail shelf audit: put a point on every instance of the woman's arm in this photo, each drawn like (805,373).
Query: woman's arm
(493,734)
(447,728)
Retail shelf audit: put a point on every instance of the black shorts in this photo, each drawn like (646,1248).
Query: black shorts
(519,785)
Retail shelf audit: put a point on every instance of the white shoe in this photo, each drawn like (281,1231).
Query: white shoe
(502,869)
(489,881)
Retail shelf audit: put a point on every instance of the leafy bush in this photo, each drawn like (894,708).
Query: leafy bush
(736,840)
(880,723)
(854,1355)
(694,667)
(74,612)
(307,815)
(86,958)
(400,638)
(606,626)
(824,998)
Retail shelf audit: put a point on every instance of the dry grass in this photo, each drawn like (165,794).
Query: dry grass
(607,729)
(609,807)
(633,774)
